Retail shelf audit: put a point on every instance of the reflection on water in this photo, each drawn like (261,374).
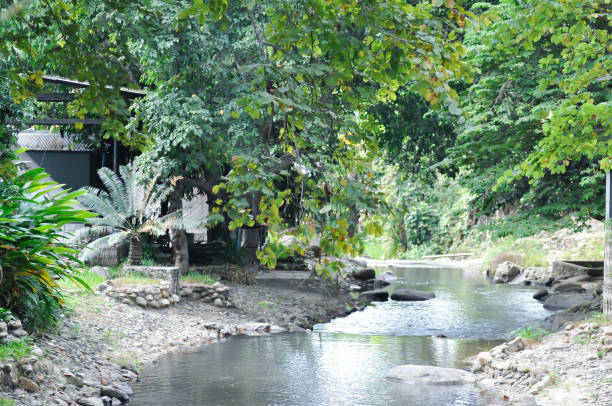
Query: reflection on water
(344,362)
(306,369)
(466,306)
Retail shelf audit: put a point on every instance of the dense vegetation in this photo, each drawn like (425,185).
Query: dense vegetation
(342,120)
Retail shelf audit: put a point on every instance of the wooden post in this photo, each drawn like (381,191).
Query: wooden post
(607,282)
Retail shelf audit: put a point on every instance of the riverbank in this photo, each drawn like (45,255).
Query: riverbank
(99,349)
(570,367)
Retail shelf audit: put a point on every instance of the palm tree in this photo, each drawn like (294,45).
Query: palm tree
(128,209)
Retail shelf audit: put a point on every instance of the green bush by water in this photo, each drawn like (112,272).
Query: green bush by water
(533,332)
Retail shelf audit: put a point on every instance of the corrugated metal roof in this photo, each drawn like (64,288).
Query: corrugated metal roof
(39,140)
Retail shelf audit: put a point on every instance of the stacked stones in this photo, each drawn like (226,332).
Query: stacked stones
(11,331)
(591,332)
(216,293)
(26,372)
(161,296)
(526,376)
(153,296)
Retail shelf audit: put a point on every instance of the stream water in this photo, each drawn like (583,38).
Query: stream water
(344,362)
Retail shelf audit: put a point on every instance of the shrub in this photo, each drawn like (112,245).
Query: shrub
(34,254)
(15,349)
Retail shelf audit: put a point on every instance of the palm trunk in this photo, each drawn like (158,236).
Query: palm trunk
(135,255)
(180,245)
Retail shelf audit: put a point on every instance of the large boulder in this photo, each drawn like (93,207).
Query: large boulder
(430,375)
(409,295)
(364,274)
(536,273)
(504,257)
(505,272)
(377,295)
(568,269)
(568,287)
(560,301)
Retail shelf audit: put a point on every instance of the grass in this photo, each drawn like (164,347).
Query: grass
(7,402)
(591,247)
(128,358)
(85,304)
(195,277)
(15,349)
(584,338)
(135,279)
(533,332)
(597,318)
(529,248)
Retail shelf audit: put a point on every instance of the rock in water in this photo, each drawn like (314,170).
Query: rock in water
(379,283)
(387,276)
(568,287)
(378,295)
(430,375)
(364,274)
(409,295)
(505,272)
(565,300)
(540,294)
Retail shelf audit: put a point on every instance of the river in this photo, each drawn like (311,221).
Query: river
(344,362)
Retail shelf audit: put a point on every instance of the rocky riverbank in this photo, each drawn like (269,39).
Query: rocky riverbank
(99,349)
(570,367)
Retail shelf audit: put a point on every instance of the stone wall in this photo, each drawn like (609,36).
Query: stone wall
(217,293)
(161,296)
(169,273)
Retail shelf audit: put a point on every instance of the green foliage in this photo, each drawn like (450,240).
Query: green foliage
(585,338)
(6,315)
(15,349)
(529,249)
(33,252)
(6,402)
(530,332)
(89,278)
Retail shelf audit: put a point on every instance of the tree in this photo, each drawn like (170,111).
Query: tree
(233,120)
(128,208)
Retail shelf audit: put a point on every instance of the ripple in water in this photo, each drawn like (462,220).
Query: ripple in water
(345,362)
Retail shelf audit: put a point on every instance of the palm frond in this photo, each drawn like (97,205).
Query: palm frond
(101,205)
(90,251)
(115,187)
(129,176)
(86,235)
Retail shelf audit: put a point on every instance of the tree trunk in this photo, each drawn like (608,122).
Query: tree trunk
(606,304)
(178,237)
(135,255)
(403,237)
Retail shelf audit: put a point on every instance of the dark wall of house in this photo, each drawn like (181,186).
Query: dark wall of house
(68,167)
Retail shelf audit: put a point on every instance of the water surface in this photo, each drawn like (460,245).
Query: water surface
(344,362)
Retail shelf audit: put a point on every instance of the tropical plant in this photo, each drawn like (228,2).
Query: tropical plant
(33,249)
(128,208)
